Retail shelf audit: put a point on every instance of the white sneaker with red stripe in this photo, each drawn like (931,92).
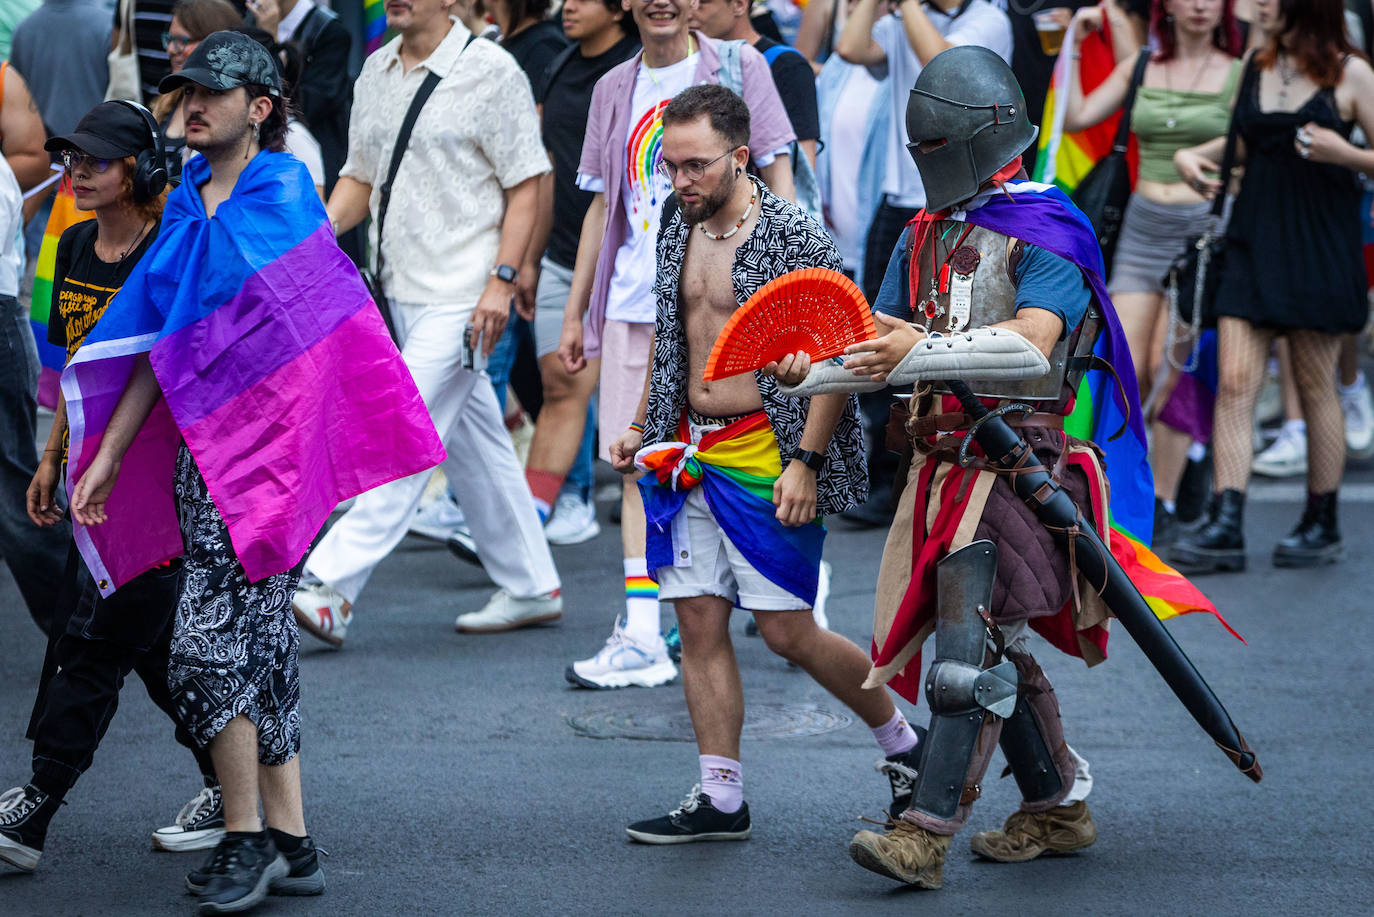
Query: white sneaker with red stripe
(322,613)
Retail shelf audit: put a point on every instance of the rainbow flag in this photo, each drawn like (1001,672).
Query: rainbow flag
(52,358)
(736,467)
(374,24)
(1066,159)
(275,368)
(1104,413)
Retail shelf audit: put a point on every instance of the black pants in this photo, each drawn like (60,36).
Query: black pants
(97,643)
(34,555)
(883,233)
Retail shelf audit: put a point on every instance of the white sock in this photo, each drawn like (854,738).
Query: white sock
(723,781)
(1297,426)
(641,602)
(1170,506)
(895,737)
(1197,452)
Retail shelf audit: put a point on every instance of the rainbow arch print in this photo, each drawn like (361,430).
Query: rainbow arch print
(643,152)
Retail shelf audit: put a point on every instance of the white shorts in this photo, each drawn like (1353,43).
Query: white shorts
(714,566)
(626,348)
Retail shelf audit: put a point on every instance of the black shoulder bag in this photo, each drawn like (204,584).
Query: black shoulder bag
(1195,274)
(373,279)
(1104,191)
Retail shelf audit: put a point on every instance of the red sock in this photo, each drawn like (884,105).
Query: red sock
(544,485)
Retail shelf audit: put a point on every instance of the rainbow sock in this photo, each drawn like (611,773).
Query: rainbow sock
(641,602)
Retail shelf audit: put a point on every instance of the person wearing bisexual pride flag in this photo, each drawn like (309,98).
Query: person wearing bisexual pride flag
(995,287)
(240,385)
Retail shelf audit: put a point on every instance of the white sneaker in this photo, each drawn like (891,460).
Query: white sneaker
(573,521)
(199,825)
(437,519)
(322,613)
(624,662)
(1286,457)
(1358,407)
(822,593)
(506,612)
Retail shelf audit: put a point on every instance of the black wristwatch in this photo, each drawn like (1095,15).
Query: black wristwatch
(505,272)
(813,460)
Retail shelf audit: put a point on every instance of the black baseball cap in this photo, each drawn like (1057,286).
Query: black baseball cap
(111,130)
(227,60)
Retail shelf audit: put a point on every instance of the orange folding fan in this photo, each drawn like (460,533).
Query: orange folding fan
(814,309)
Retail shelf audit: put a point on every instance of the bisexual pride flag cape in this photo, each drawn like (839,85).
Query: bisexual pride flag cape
(1041,214)
(275,368)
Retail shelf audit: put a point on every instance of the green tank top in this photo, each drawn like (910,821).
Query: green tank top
(1167,120)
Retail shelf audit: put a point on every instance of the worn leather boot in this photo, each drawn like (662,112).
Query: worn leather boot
(1316,540)
(906,853)
(1026,835)
(1219,545)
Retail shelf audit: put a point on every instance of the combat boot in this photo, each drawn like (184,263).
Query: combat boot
(906,853)
(1316,540)
(1219,545)
(1026,835)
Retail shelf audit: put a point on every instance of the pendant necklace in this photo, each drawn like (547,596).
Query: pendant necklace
(721,237)
(1171,122)
(1286,78)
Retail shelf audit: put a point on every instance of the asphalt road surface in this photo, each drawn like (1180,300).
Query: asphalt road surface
(444,775)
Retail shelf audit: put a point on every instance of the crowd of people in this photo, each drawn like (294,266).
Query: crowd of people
(519,216)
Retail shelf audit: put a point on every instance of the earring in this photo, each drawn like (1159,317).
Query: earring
(257,131)
(738,173)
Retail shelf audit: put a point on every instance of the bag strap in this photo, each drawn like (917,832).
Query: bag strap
(417,102)
(1228,156)
(1123,128)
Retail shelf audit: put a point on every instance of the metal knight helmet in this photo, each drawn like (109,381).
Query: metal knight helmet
(966,119)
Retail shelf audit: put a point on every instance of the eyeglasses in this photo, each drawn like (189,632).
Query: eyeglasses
(693,169)
(176,43)
(71,160)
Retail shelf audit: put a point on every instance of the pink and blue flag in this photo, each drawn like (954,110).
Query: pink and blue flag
(275,367)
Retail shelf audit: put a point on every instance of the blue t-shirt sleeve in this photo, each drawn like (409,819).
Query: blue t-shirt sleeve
(894,297)
(1046,281)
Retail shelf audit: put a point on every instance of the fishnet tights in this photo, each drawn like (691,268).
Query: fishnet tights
(1244,352)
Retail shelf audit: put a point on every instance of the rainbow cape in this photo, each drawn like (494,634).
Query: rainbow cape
(52,358)
(1066,159)
(275,368)
(1043,215)
(735,466)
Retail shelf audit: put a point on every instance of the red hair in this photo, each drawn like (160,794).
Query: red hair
(1314,35)
(1225,37)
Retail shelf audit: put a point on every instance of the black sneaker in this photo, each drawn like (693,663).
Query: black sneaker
(901,771)
(694,820)
(239,873)
(24,815)
(305,877)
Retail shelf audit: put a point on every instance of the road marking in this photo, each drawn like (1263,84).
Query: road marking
(1266,492)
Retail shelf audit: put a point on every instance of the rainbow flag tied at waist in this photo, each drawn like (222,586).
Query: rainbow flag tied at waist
(1042,215)
(275,368)
(736,467)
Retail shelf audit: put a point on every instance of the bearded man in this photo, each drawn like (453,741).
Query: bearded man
(746,531)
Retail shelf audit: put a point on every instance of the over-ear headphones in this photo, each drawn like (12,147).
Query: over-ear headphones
(150,166)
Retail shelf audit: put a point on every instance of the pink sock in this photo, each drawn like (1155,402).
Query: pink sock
(722,780)
(896,737)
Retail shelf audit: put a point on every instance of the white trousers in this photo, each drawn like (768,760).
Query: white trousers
(481,467)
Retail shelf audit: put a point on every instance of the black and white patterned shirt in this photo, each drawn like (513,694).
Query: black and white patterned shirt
(784,239)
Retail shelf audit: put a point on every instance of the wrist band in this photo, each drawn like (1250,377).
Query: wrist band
(637,427)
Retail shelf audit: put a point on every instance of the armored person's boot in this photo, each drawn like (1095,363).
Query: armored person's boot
(1026,835)
(906,853)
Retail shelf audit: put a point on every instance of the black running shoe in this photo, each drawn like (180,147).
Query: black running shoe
(240,871)
(694,820)
(306,877)
(462,545)
(901,771)
(24,815)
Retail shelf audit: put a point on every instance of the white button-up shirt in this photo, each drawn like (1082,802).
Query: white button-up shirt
(477,135)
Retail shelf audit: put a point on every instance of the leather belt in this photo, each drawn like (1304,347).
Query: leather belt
(933,424)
